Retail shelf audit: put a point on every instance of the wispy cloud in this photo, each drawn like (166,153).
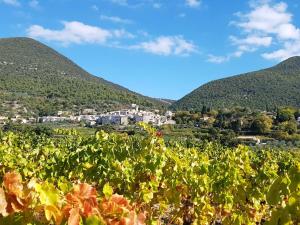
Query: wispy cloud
(34,4)
(116,19)
(193,3)
(289,49)
(222,59)
(168,45)
(251,43)
(218,59)
(75,32)
(267,24)
(119,2)
(15,3)
(273,23)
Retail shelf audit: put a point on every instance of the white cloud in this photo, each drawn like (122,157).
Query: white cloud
(222,59)
(115,19)
(34,4)
(119,2)
(121,33)
(288,31)
(168,45)
(267,24)
(265,18)
(193,3)
(12,2)
(218,59)
(137,4)
(248,44)
(75,32)
(289,49)
(270,19)
(251,43)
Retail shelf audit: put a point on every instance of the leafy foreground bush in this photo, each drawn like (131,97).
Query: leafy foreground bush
(167,184)
(41,203)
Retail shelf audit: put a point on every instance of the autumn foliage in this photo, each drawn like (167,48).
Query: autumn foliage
(48,205)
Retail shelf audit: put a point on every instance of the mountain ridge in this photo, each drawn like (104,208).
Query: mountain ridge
(42,79)
(263,89)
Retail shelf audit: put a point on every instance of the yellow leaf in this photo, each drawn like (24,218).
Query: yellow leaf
(3,203)
(107,190)
(53,212)
(47,193)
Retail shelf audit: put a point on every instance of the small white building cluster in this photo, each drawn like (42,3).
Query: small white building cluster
(17,119)
(298,120)
(3,119)
(121,117)
(124,117)
(52,119)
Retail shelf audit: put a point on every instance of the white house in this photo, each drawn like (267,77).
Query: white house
(169,114)
(87,118)
(170,122)
(114,119)
(3,119)
(298,120)
(48,119)
(143,118)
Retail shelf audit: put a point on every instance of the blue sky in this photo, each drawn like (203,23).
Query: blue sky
(160,48)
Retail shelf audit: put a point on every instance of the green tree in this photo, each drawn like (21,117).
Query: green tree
(285,114)
(289,126)
(236,125)
(262,124)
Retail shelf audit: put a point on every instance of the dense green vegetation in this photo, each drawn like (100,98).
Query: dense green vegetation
(265,90)
(39,79)
(237,125)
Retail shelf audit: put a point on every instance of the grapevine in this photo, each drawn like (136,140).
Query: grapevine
(161,184)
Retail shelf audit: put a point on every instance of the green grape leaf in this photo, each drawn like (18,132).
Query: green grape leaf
(107,190)
(47,193)
(277,190)
(94,220)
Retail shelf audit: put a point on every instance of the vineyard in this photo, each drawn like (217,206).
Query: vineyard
(139,179)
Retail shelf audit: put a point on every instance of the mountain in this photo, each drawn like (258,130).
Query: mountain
(38,80)
(265,89)
(166,101)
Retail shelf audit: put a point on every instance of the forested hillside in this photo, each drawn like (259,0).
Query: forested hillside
(42,81)
(265,89)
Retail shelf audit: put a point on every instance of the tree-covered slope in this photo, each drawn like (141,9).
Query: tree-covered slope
(42,80)
(264,89)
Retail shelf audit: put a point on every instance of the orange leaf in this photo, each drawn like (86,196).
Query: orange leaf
(3,203)
(85,191)
(15,197)
(120,200)
(74,218)
(16,204)
(13,183)
(84,198)
(53,211)
(141,219)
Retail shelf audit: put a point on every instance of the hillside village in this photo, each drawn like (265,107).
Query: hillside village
(90,117)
